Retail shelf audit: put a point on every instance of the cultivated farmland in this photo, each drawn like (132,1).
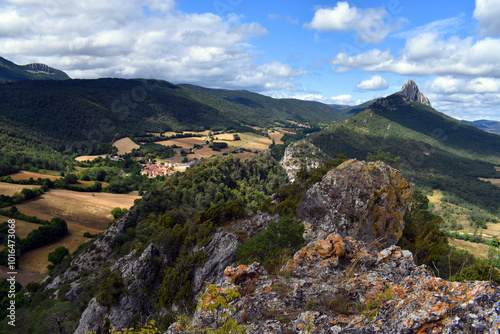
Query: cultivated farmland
(22,228)
(9,189)
(23,175)
(90,210)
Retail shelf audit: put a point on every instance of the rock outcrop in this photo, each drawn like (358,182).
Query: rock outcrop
(301,154)
(350,277)
(341,285)
(411,91)
(139,276)
(363,200)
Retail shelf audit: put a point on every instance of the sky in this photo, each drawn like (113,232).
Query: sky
(338,52)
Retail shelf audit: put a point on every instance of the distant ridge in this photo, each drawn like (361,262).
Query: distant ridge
(10,71)
(485,125)
(411,91)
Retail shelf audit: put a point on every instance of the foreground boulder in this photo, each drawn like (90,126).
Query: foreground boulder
(341,285)
(363,200)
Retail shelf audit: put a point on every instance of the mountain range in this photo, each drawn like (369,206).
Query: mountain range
(434,150)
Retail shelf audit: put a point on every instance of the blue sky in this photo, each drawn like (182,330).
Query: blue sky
(342,52)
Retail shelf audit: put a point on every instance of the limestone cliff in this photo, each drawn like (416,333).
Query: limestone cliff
(349,277)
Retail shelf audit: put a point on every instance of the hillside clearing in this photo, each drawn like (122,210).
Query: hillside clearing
(125,145)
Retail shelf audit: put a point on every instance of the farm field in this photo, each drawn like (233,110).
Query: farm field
(494,181)
(186,143)
(249,141)
(90,210)
(22,228)
(125,145)
(36,260)
(244,155)
(171,133)
(83,212)
(89,157)
(9,189)
(277,137)
(478,250)
(23,175)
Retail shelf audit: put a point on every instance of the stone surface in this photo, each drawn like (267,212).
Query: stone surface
(345,286)
(363,200)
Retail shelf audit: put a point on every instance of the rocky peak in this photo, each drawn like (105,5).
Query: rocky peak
(411,91)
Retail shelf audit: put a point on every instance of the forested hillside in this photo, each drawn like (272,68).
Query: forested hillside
(435,150)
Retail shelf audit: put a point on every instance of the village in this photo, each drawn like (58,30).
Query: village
(158,168)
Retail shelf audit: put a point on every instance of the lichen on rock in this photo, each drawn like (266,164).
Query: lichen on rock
(363,200)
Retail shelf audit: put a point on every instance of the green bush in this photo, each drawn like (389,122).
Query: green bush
(284,236)
(58,255)
(110,287)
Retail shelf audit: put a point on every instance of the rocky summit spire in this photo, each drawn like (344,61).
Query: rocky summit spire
(411,91)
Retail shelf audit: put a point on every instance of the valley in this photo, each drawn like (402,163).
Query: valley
(205,173)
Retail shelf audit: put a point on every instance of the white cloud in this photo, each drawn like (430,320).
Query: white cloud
(369,24)
(150,38)
(374,83)
(452,56)
(487,13)
(342,99)
(451,85)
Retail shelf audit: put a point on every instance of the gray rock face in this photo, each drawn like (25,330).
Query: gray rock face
(139,275)
(411,91)
(363,200)
(220,250)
